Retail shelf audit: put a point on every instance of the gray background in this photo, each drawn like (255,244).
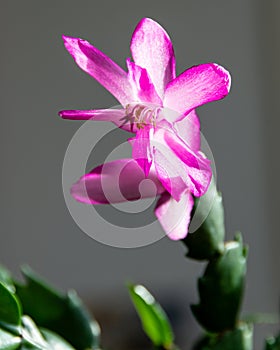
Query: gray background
(38,78)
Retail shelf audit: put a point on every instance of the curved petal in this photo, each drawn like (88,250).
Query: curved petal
(116,116)
(197,166)
(174,216)
(100,67)
(141,151)
(196,86)
(170,171)
(189,130)
(114,182)
(178,166)
(144,89)
(152,49)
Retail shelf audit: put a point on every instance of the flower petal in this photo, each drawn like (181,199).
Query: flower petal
(189,130)
(196,165)
(196,86)
(115,182)
(141,151)
(175,216)
(169,171)
(152,49)
(178,167)
(100,67)
(116,116)
(144,89)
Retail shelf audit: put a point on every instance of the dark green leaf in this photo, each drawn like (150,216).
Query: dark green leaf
(28,346)
(221,289)
(10,308)
(62,314)
(39,300)
(154,320)
(76,325)
(9,341)
(272,343)
(238,339)
(207,241)
(55,342)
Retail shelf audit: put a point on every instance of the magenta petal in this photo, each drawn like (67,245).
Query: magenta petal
(115,182)
(141,151)
(116,116)
(196,86)
(144,89)
(189,130)
(197,166)
(152,49)
(175,216)
(100,67)
(169,171)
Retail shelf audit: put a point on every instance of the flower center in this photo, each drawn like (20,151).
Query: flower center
(142,115)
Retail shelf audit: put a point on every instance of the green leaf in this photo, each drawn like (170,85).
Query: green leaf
(62,314)
(76,325)
(207,241)
(32,338)
(6,278)
(10,308)
(9,341)
(39,300)
(272,343)
(221,289)
(28,346)
(154,320)
(238,339)
(55,342)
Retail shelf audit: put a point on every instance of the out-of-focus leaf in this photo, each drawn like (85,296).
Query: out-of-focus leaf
(40,301)
(9,341)
(238,339)
(272,343)
(10,308)
(208,240)
(6,278)
(55,342)
(154,320)
(62,314)
(31,334)
(221,289)
(76,325)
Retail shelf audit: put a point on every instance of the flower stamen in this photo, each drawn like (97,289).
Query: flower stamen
(141,115)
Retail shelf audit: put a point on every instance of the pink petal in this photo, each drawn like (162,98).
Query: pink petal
(178,167)
(141,151)
(116,116)
(100,67)
(175,216)
(189,130)
(196,165)
(144,90)
(115,182)
(152,49)
(169,171)
(196,86)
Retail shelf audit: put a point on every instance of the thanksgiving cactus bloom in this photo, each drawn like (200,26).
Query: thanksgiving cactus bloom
(160,109)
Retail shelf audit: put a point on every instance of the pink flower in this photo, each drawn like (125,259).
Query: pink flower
(160,109)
